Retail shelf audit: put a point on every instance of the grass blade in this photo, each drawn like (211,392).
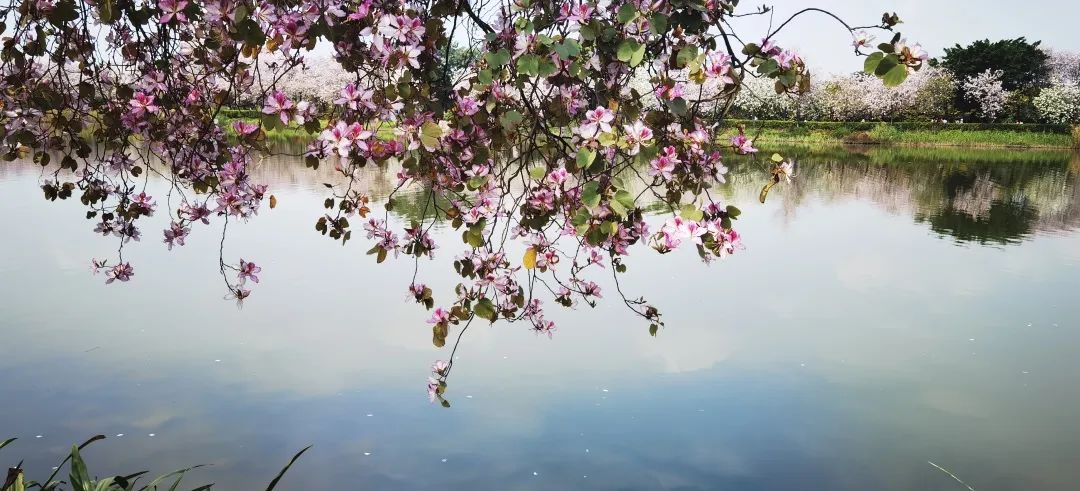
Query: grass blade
(286,468)
(153,484)
(79,476)
(49,482)
(7,442)
(957,479)
(14,479)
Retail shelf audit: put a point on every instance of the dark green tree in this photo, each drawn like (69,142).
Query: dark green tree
(1024,65)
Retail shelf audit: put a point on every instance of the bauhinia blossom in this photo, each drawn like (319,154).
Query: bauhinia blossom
(597,121)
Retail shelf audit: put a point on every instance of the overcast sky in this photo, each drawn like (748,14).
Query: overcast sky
(936,24)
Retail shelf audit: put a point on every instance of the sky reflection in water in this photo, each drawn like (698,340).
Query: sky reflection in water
(888,310)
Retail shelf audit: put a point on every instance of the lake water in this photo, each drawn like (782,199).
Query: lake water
(891,308)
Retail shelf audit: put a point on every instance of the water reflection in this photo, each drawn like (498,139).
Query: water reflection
(982,196)
(847,345)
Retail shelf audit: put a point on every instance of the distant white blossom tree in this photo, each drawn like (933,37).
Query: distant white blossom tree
(1065,67)
(1059,104)
(986,91)
(926,95)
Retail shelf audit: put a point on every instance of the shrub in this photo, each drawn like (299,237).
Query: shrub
(1059,104)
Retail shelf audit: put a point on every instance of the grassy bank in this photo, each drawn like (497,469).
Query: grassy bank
(906,134)
(911,134)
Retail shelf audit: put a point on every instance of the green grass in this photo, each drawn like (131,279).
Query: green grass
(80,477)
(910,134)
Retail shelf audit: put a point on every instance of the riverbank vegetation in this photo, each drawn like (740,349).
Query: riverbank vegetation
(915,134)
(81,478)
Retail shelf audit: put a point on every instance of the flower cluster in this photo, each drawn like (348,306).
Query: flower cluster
(566,126)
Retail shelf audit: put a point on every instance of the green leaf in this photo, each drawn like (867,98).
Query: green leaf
(546,68)
(691,212)
(872,62)
(788,78)
(678,106)
(638,55)
(590,194)
(497,58)
(485,310)
(568,49)
(733,212)
(686,55)
(887,63)
(588,31)
(538,172)
(627,12)
(768,67)
(581,217)
(896,76)
(626,199)
(765,191)
(626,49)
(623,203)
(777,158)
(658,23)
(585,157)
(484,76)
(430,134)
(511,119)
(62,12)
(529,65)
(107,11)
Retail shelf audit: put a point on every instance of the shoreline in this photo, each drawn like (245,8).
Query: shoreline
(909,134)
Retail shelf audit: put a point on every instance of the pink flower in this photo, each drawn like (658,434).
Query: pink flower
(786,59)
(544,327)
(742,144)
(278,103)
(354,98)
(411,55)
(664,164)
(439,316)
(718,66)
(402,28)
(579,13)
(913,54)
(558,176)
(244,128)
(468,106)
(636,134)
(596,121)
(769,48)
(439,367)
(787,169)
(172,9)
(142,103)
(432,388)
(248,271)
(674,92)
(175,234)
(122,272)
(862,39)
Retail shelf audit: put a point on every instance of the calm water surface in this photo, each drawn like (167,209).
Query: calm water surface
(890,308)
